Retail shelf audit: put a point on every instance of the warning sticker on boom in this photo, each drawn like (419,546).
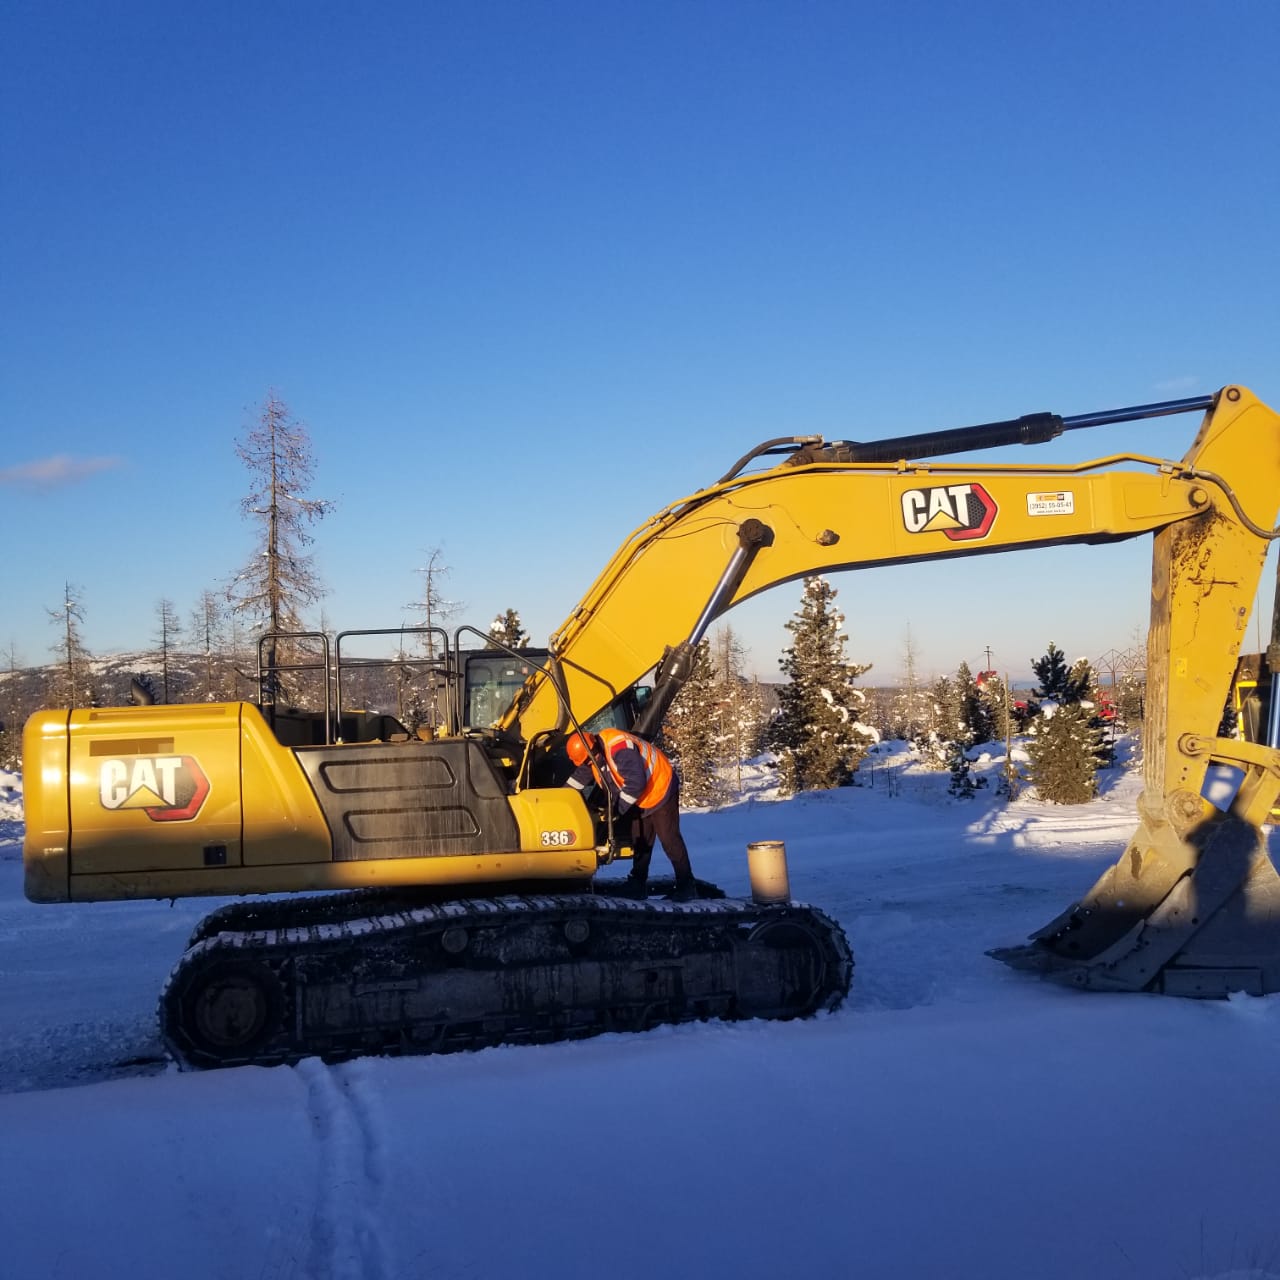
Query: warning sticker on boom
(1061,503)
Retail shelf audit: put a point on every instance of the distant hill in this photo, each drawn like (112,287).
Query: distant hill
(369,687)
(28,688)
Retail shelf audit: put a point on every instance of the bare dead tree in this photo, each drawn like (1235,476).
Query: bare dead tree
(15,711)
(279,581)
(207,635)
(436,610)
(239,644)
(166,636)
(737,703)
(70,684)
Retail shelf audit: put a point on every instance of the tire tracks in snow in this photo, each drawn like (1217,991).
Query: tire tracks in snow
(347,1240)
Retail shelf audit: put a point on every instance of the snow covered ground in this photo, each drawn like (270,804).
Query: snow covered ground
(954,1118)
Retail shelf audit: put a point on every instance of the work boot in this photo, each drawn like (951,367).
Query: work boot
(685,890)
(634,886)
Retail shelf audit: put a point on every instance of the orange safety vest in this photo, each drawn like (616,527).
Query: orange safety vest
(656,764)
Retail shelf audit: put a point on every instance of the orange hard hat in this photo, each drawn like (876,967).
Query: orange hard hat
(578,746)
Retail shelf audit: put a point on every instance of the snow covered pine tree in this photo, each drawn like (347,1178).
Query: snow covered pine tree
(1066,743)
(691,733)
(1058,682)
(507,629)
(817,735)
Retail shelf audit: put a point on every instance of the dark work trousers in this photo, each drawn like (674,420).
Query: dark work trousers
(661,823)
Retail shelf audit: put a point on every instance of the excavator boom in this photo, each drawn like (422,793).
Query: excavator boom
(819,512)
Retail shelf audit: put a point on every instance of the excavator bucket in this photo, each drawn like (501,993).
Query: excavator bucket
(1192,908)
(1196,915)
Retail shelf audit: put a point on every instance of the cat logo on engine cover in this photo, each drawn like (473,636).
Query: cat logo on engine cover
(959,511)
(165,788)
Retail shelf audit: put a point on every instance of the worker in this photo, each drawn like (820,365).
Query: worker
(643,784)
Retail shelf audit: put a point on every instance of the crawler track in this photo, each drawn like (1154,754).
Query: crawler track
(377,973)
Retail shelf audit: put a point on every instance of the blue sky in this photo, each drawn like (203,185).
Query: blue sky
(531,271)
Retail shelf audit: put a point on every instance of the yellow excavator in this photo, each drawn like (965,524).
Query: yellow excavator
(469,914)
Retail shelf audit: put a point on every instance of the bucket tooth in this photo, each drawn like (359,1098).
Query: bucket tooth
(1029,957)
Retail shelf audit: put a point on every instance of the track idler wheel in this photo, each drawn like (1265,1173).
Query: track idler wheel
(221,1011)
(782,970)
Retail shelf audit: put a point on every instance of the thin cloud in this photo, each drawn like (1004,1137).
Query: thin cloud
(1186,383)
(48,473)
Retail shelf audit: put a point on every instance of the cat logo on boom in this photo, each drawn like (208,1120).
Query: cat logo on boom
(961,512)
(165,788)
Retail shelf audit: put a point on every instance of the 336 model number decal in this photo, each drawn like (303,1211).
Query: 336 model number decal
(558,839)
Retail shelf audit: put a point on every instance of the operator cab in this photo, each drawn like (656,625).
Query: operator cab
(622,712)
(491,680)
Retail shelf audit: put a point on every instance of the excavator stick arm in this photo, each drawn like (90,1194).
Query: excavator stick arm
(1192,907)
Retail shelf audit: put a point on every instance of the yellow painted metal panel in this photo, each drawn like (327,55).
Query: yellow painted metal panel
(154,793)
(476,870)
(282,819)
(555,820)
(45,807)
